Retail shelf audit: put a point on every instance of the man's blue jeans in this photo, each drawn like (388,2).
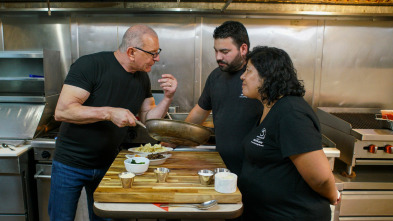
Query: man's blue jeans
(66,186)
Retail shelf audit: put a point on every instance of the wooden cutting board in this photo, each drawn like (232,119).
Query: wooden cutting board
(182,184)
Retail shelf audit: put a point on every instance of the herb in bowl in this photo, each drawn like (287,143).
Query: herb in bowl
(134,162)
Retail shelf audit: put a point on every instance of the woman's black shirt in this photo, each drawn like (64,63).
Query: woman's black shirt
(272,187)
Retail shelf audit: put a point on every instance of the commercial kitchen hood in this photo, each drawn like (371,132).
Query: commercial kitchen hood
(223,2)
(327,8)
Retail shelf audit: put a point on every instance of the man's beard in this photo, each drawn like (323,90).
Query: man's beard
(236,64)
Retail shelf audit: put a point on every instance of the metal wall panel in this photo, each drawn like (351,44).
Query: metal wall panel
(296,37)
(26,33)
(96,33)
(342,62)
(176,36)
(357,68)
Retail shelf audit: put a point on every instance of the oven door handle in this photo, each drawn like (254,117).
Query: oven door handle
(39,176)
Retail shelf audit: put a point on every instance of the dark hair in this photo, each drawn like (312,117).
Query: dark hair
(235,30)
(275,67)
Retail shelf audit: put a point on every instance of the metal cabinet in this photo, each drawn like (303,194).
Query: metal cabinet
(368,195)
(43,177)
(367,204)
(16,188)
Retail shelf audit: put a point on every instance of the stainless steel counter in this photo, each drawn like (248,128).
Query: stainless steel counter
(153,211)
(368,177)
(5,152)
(368,195)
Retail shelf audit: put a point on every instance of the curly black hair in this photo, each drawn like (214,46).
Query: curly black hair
(275,67)
(235,30)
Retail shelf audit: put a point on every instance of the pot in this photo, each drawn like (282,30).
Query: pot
(177,132)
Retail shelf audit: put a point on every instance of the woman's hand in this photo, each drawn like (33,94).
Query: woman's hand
(337,201)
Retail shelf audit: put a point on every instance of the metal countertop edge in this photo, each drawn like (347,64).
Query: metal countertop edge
(165,214)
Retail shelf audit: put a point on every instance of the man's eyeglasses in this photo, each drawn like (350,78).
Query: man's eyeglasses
(152,54)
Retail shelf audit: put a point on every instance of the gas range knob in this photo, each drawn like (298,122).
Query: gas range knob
(45,154)
(372,148)
(388,149)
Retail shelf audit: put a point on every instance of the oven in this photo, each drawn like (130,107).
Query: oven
(44,150)
(365,165)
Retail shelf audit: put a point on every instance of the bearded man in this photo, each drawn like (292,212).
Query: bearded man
(233,113)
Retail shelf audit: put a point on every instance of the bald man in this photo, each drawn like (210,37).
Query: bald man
(102,94)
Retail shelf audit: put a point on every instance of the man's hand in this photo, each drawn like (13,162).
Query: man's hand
(122,117)
(169,84)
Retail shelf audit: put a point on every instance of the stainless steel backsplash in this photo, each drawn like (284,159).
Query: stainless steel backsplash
(344,62)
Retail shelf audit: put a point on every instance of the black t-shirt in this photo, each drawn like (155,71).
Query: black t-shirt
(272,187)
(95,145)
(233,114)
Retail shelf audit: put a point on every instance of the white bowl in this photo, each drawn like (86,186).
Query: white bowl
(152,161)
(138,169)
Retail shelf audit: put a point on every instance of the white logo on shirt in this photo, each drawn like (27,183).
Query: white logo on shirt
(258,140)
(242,96)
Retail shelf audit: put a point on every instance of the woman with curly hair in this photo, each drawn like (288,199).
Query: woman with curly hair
(285,175)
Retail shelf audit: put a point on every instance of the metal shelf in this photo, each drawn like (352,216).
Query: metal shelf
(21,54)
(22,99)
(22,79)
